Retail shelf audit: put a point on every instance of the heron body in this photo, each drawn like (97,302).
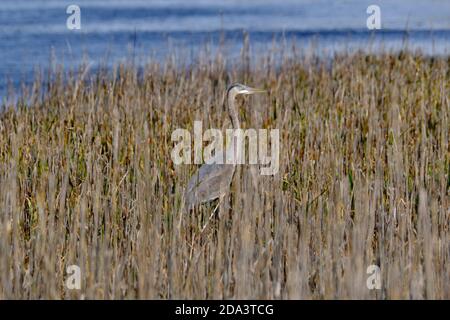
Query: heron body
(210,182)
(213,180)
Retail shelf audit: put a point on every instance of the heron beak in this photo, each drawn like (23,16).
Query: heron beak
(249,90)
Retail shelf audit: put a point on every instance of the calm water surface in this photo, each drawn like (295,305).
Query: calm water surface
(32,31)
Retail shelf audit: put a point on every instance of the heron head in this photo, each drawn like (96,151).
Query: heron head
(238,88)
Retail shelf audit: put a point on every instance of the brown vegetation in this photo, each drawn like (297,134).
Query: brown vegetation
(86,178)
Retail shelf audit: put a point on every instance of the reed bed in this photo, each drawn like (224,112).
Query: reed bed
(86,178)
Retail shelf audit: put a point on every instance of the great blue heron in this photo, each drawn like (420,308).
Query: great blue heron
(213,180)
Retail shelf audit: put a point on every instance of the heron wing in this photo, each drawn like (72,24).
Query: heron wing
(209,183)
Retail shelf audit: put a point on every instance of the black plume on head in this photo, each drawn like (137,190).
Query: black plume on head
(234,85)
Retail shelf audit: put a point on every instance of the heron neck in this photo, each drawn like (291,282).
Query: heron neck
(232,109)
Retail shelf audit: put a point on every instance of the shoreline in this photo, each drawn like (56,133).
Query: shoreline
(208,51)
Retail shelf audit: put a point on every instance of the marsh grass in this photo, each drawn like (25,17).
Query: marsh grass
(86,178)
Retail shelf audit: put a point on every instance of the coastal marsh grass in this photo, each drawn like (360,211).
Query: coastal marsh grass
(86,178)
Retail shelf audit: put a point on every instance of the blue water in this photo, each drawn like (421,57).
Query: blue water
(34,32)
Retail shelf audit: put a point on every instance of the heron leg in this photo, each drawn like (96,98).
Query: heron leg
(212,214)
(202,230)
(223,205)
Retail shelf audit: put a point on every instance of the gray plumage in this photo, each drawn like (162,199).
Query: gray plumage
(212,181)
